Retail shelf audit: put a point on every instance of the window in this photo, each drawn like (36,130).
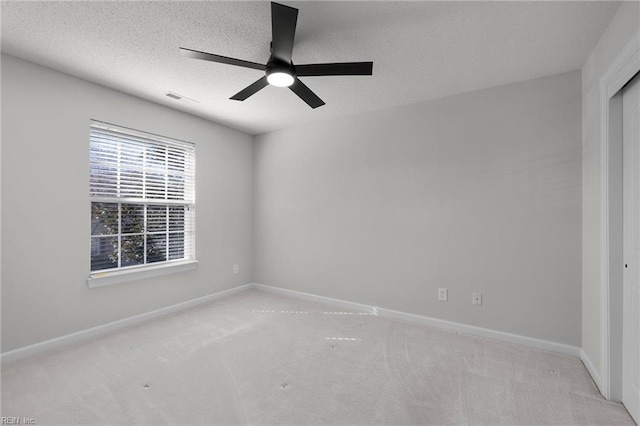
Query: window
(142,190)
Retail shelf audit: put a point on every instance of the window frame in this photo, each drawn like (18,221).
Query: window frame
(146,199)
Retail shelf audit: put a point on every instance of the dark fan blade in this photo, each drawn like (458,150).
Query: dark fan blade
(306,94)
(283,31)
(221,59)
(343,68)
(250,90)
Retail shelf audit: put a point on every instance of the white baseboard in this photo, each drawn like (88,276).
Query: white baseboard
(591,369)
(443,324)
(80,336)
(90,333)
(503,336)
(314,298)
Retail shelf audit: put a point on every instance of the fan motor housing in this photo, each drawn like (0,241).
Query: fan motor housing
(278,66)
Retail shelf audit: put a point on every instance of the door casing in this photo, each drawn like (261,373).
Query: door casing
(622,70)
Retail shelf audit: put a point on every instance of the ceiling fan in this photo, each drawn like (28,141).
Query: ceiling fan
(280,70)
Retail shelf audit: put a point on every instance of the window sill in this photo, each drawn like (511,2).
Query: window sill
(99,279)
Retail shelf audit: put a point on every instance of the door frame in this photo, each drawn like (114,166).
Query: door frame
(625,66)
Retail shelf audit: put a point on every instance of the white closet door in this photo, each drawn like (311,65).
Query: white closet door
(631,227)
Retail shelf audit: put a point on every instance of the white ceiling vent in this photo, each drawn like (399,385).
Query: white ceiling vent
(179,97)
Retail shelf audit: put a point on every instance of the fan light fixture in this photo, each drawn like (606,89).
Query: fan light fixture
(280,79)
(279,69)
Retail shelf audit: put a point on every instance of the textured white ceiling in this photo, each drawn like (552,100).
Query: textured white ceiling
(420,50)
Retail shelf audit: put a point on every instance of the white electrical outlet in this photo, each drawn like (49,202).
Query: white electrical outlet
(236,269)
(477,299)
(442,294)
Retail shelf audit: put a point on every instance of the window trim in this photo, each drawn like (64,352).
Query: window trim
(134,273)
(105,277)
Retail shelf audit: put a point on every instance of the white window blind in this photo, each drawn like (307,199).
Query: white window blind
(142,190)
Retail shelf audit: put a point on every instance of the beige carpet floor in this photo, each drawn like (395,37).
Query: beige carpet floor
(258,358)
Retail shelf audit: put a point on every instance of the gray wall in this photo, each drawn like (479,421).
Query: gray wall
(45,205)
(476,193)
